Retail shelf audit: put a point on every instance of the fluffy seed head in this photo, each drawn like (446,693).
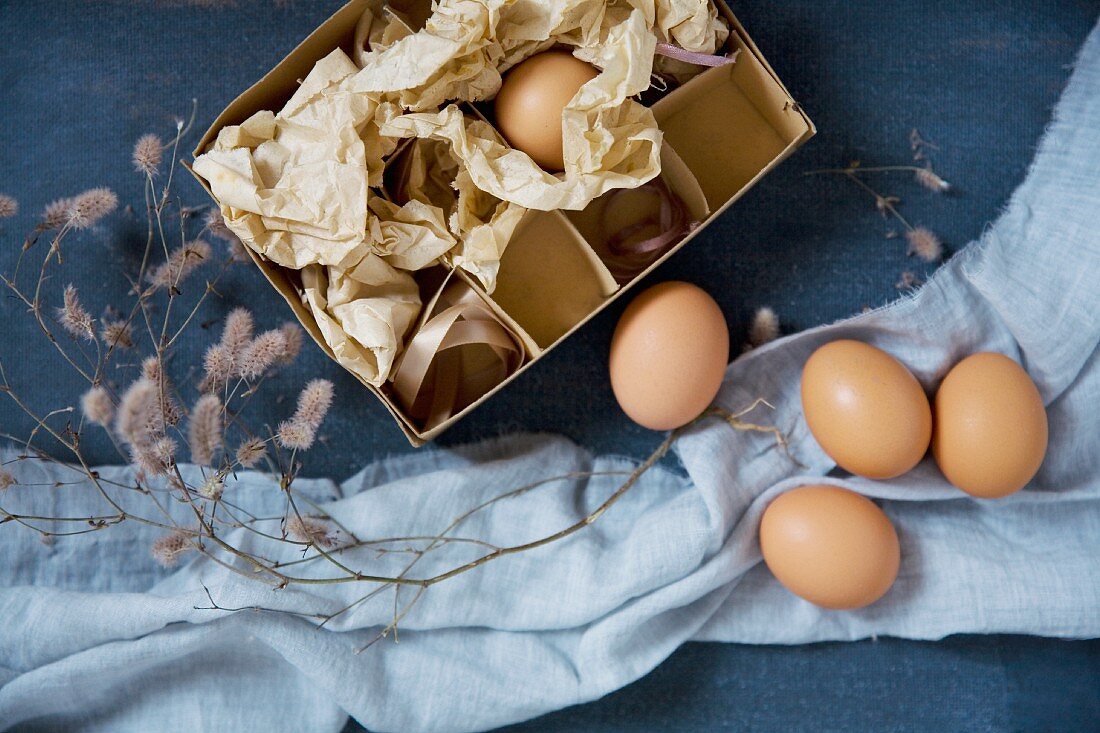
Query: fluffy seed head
(238,332)
(218,365)
(907,281)
(136,421)
(182,261)
(155,458)
(924,244)
(56,214)
(148,153)
(250,453)
(313,402)
(73,316)
(299,432)
(928,178)
(117,334)
(167,549)
(312,530)
(7,480)
(165,449)
(204,429)
(89,207)
(764,328)
(97,406)
(261,354)
(150,368)
(213,487)
(8,206)
(295,435)
(292,338)
(237,251)
(215,224)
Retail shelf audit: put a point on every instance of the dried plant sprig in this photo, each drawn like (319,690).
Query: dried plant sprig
(97,406)
(144,426)
(214,223)
(314,402)
(7,479)
(152,368)
(299,432)
(148,154)
(204,429)
(922,241)
(9,207)
(73,317)
(157,457)
(296,435)
(88,208)
(238,331)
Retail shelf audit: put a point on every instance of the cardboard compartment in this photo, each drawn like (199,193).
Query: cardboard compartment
(550,279)
(458,354)
(531,347)
(729,123)
(638,211)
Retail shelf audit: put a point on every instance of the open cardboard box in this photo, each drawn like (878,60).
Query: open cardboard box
(723,130)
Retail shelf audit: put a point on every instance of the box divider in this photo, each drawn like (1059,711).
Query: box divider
(531,348)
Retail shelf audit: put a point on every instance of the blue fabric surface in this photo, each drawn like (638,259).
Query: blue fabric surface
(812,249)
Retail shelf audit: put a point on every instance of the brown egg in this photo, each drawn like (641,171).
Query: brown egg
(668,355)
(866,410)
(529,104)
(991,428)
(831,546)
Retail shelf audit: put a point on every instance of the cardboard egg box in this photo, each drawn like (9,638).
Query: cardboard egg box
(723,130)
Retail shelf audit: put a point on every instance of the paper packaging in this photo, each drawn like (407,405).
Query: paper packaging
(723,130)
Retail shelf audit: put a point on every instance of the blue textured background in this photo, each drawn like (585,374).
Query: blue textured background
(80,81)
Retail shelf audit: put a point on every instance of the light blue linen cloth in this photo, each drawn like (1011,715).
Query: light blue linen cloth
(95,638)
